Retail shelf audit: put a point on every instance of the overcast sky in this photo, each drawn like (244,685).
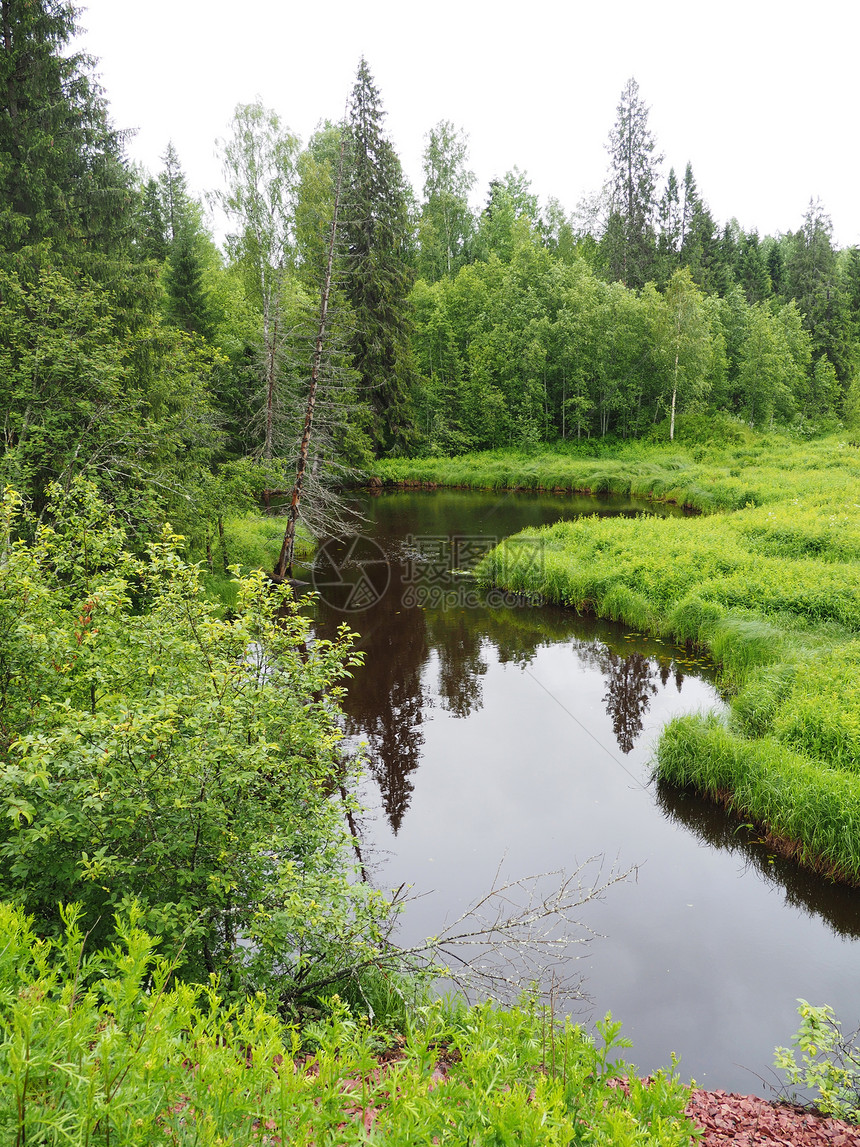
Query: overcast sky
(760,95)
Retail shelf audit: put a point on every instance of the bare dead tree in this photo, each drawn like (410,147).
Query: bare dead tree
(284,566)
(522,934)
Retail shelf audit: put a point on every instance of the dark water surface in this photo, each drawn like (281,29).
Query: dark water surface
(500,732)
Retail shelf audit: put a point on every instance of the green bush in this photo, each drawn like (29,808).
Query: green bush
(830,1062)
(159,753)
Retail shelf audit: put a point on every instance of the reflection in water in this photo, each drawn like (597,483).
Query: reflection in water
(419,657)
(666,673)
(705,955)
(461,667)
(833,903)
(429,617)
(386,700)
(630,685)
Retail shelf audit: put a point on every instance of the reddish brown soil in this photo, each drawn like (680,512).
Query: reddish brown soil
(747,1120)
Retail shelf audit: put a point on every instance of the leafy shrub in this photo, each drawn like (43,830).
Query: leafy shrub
(157,753)
(830,1062)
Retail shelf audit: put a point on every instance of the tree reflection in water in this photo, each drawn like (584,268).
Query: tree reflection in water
(420,656)
(458,644)
(630,687)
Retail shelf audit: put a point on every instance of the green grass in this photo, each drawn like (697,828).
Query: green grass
(766,579)
(709,477)
(251,541)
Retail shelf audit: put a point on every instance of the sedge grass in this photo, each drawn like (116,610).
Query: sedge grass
(772,592)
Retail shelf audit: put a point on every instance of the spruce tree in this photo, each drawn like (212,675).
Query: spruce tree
(751,268)
(671,227)
(630,241)
(187,301)
(174,191)
(812,281)
(377,238)
(62,173)
(698,234)
(152,240)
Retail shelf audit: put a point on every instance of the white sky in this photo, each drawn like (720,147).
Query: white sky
(760,95)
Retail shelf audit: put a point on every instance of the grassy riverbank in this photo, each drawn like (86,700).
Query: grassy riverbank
(768,582)
(252,541)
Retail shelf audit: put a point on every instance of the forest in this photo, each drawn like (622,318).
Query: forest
(177,861)
(173,371)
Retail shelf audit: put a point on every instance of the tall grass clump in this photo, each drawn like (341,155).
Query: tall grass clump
(813,813)
(693,620)
(771,590)
(743,644)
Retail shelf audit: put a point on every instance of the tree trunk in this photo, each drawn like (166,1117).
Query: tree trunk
(284,567)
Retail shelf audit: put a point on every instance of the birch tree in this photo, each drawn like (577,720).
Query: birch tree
(685,340)
(259,164)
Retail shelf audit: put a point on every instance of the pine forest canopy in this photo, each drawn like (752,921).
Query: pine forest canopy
(175,372)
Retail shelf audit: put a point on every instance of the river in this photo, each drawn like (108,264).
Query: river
(513,738)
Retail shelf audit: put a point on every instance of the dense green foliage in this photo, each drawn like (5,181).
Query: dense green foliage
(449,330)
(141,355)
(63,180)
(106,1048)
(156,753)
(177,773)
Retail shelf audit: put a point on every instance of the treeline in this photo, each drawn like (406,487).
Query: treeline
(174,373)
(611,320)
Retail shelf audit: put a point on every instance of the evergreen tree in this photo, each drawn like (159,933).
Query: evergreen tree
(751,268)
(633,181)
(62,172)
(671,229)
(849,271)
(187,301)
(184,236)
(698,234)
(691,204)
(174,192)
(775,265)
(812,281)
(377,236)
(152,240)
(726,258)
